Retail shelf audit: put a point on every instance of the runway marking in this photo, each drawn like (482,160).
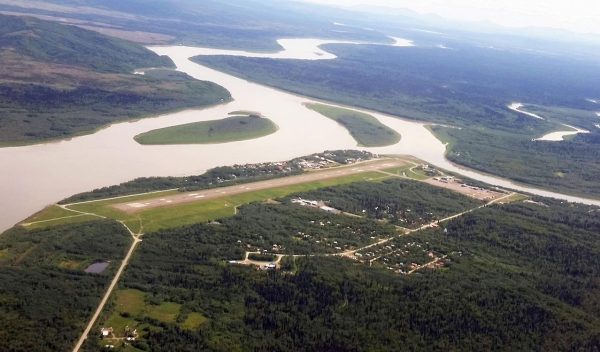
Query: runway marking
(136,205)
(310,176)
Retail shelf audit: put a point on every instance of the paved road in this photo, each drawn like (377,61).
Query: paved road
(312,176)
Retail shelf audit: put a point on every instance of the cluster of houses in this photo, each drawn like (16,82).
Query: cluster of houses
(393,257)
(312,162)
(428,170)
(332,158)
(270,266)
(445,179)
(320,163)
(108,333)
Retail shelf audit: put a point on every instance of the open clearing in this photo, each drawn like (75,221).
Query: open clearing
(407,171)
(467,190)
(190,197)
(193,321)
(204,211)
(161,210)
(49,213)
(131,308)
(152,211)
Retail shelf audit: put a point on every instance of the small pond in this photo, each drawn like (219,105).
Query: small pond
(97,268)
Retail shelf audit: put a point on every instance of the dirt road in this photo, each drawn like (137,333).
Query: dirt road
(113,284)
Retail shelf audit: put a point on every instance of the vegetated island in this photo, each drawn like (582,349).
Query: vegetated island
(60,81)
(239,127)
(364,128)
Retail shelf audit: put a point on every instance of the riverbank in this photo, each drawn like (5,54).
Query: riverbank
(39,175)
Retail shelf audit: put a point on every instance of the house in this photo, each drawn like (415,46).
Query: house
(105,332)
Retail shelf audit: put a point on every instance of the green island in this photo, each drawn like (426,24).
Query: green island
(355,262)
(365,129)
(238,127)
(60,81)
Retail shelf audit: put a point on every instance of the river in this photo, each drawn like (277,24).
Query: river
(555,136)
(38,175)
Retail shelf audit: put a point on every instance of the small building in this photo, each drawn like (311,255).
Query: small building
(330,209)
(105,332)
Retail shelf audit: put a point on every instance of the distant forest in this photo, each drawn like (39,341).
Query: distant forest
(60,81)
(464,86)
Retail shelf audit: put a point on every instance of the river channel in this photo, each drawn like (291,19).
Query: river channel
(38,175)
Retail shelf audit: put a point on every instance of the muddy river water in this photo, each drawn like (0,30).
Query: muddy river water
(34,176)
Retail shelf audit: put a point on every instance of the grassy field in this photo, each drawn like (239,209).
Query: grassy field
(54,216)
(193,321)
(49,213)
(165,312)
(230,129)
(365,129)
(130,301)
(515,198)
(188,213)
(128,304)
(132,306)
(408,171)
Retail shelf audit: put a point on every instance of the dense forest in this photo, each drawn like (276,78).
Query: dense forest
(428,83)
(243,24)
(569,166)
(401,202)
(46,41)
(519,277)
(46,297)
